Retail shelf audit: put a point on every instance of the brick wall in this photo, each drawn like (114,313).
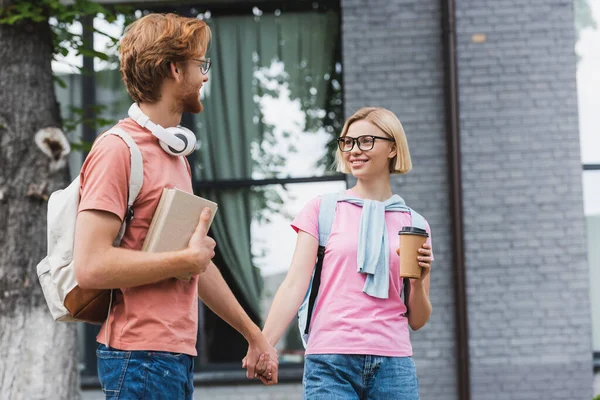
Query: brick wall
(528,294)
(529,336)
(392,57)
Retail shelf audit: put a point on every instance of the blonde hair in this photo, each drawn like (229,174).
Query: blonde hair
(151,44)
(389,124)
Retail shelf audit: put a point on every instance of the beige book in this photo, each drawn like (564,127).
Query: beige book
(175,220)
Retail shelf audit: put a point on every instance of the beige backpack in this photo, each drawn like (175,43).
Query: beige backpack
(56,272)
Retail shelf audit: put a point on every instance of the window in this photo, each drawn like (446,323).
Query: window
(265,155)
(272,108)
(588,88)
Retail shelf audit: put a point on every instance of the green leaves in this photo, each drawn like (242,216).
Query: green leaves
(79,118)
(60,81)
(81,146)
(92,53)
(63,19)
(42,10)
(20,10)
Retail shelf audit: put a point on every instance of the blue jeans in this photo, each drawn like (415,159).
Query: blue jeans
(148,375)
(360,377)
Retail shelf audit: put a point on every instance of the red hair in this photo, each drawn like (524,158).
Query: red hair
(151,44)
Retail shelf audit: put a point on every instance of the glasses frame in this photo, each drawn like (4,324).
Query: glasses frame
(204,65)
(355,141)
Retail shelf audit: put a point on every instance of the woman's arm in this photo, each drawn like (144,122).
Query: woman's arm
(290,294)
(419,306)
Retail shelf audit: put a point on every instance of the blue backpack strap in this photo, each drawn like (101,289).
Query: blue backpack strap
(326,217)
(417,219)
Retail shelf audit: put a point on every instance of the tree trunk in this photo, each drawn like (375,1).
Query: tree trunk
(38,357)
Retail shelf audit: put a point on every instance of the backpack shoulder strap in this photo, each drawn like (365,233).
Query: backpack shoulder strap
(326,216)
(136,176)
(417,219)
(136,180)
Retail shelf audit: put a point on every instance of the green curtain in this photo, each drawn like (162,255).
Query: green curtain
(231,120)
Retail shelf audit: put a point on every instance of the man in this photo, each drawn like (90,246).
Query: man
(149,338)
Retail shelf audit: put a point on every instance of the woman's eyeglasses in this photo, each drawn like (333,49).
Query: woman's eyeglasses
(365,142)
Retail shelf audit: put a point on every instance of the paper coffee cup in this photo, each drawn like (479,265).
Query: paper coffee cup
(411,240)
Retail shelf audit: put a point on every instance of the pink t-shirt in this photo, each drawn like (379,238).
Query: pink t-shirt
(346,320)
(162,316)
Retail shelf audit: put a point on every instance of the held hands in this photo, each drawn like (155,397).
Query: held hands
(262,361)
(201,247)
(424,259)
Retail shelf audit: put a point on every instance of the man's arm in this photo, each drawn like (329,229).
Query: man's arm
(216,294)
(99,265)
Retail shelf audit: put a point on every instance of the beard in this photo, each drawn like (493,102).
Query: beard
(190,99)
(190,102)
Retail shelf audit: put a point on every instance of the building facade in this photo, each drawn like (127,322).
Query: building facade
(487,93)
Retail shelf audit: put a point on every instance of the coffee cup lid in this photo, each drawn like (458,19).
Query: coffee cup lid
(411,230)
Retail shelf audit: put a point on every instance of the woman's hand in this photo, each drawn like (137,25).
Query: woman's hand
(419,305)
(424,261)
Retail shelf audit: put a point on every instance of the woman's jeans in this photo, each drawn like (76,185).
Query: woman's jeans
(361,377)
(151,375)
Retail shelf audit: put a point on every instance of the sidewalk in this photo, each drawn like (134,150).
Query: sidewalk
(283,391)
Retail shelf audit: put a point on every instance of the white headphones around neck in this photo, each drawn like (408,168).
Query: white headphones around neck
(177,141)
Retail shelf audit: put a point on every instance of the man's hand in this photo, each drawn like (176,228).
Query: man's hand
(261,361)
(270,379)
(263,369)
(266,370)
(201,248)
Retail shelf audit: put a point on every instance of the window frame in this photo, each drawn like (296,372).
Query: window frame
(595,354)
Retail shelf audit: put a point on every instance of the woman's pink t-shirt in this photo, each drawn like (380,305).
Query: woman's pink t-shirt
(346,320)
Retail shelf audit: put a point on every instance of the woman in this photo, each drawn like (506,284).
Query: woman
(359,346)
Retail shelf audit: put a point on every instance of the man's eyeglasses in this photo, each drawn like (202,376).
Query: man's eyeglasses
(365,142)
(204,65)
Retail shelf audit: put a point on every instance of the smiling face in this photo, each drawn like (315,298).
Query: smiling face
(189,90)
(152,45)
(373,162)
(387,153)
